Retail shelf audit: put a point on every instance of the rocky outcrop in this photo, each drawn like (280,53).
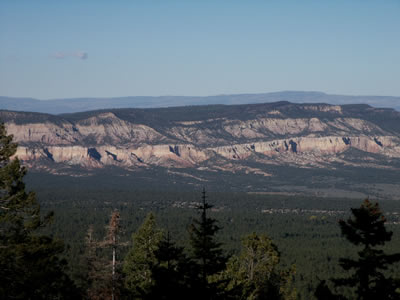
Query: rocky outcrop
(385,145)
(103,129)
(161,155)
(44,133)
(270,128)
(268,135)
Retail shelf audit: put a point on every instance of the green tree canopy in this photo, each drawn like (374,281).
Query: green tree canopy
(141,259)
(30,267)
(255,274)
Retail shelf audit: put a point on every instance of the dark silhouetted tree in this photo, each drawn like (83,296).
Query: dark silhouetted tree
(207,252)
(30,267)
(368,279)
(171,273)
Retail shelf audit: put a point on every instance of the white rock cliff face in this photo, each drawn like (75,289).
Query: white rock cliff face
(105,139)
(163,155)
(323,146)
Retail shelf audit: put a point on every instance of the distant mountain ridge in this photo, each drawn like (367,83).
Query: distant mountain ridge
(60,106)
(257,147)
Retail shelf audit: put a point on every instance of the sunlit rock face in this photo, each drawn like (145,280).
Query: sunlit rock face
(280,133)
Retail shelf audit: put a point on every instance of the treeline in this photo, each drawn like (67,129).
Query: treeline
(307,233)
(156,267)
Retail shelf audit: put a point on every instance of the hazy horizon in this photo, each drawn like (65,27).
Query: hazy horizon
(202,96)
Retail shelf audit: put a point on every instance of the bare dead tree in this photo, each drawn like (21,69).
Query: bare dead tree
(113,230)
(103,282)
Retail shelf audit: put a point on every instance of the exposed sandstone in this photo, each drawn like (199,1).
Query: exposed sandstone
(46,133)
(105,139)
(386,145)
(164,155)
(190,156)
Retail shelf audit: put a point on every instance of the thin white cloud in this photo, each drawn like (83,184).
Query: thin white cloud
(81,55)
(78,54)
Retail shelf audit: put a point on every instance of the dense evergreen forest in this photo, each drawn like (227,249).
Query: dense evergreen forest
(172,244)
(305,229)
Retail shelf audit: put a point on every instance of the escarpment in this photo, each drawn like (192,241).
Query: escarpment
(194,137)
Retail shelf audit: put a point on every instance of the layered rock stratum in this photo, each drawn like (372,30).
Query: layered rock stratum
(253,139)
(128,139)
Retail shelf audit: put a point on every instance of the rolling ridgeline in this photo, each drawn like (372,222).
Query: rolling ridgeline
(318,149)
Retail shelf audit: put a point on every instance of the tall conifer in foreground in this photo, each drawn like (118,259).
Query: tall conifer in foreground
(207,252)
(140,260)
(30,267)
(368,279)
(171,273)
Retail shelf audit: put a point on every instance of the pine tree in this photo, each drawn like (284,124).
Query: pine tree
(171,273)
(140,260)
(207,252)
(30,267)
(368,278)
(255,274)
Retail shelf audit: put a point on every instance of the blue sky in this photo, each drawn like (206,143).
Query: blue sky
(62,49)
